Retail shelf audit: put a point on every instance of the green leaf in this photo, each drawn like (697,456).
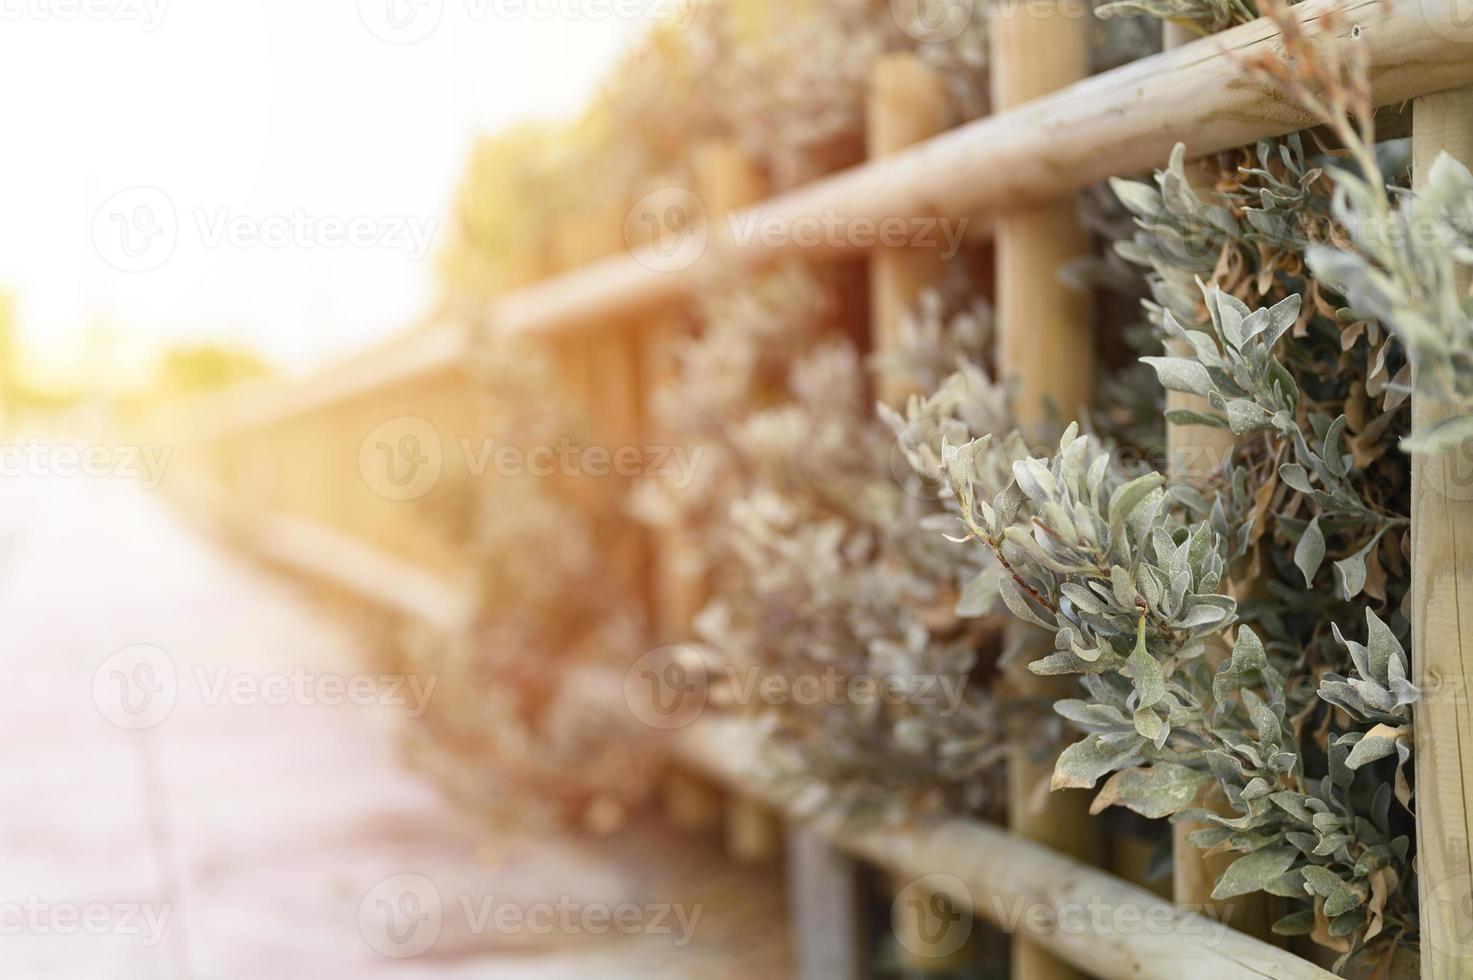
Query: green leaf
(1012,597)
(1382,649)
(1350,573)
(1146,669)
(1128,497)
(1149,725)
(1140,199)
(1281,317)
(1299,923)
(1155,792)
(1310,551)
(1252,872)
(1181,374)
(1333,450)
(1245,416)
(1296,477)
(1371,747)
(978,596)
(1080,765)
(1183,416)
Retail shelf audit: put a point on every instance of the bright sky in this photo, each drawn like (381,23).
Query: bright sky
(255,135)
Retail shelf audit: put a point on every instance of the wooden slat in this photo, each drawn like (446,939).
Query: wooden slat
(828,921)
(1442,628)
(1193,453)
(1139,937)
(1122,121)
(339,560)
(906,105)
(753,833)
(1119,122)
(1045,345)
(726,179)
(432,350)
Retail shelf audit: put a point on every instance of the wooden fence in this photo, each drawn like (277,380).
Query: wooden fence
(278,465)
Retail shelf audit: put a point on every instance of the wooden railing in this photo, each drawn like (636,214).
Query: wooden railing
(280,464)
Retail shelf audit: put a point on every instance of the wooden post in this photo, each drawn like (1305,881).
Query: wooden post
(1046,345)
(1442,628)
(726,179)
(828,910)
(753,833)
(690,804)
(907,104)
(1193,453)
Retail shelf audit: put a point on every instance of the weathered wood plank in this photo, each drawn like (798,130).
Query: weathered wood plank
(827,917)
(1442,628)
(1045,345)
(1087,917)
(906,104)
(1119,122)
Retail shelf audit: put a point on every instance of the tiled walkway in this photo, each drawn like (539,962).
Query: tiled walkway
(234,837)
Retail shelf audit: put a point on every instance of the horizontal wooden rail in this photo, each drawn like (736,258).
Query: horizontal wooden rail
(1004,876)
(1119,122)
(256,404)
(1056,900)
(335,559)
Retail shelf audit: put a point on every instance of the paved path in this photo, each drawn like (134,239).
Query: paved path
(199,830)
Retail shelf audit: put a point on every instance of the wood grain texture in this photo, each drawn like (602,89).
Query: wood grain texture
(1131,934)
(906,104)
(1045,345)
(754,834)
(828,919)
(1442,628)
(1122,121)
(726,179)
(1195,452)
